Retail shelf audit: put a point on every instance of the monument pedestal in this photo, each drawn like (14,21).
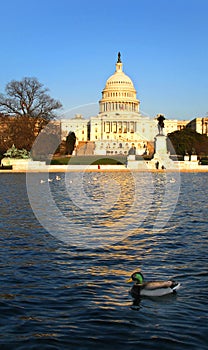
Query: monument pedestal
(161,145)
(161,157)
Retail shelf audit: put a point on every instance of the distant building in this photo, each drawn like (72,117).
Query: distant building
(181,124)
(199,125)
(78,125)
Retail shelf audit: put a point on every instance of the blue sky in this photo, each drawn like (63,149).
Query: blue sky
(71,47)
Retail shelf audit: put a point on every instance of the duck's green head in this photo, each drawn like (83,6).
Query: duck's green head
(137,277)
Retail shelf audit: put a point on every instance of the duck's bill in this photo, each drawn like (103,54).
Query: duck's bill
(129,280)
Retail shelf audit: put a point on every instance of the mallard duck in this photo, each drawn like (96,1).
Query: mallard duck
(151,288)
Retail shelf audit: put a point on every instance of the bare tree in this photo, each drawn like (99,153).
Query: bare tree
(28,98)
(26,108)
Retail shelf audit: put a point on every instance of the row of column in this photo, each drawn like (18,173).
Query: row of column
(118,106)
(119,127)
(205,127)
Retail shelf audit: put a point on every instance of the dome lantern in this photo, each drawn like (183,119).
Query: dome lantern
(119,64)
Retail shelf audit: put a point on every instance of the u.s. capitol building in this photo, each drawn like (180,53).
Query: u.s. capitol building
(119,125)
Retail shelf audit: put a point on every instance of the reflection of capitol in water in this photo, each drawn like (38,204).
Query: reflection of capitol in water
(119,124)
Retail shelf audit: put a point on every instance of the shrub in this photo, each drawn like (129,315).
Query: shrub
(14,152)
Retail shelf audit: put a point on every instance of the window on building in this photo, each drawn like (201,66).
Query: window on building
(114,127)
(107,127)
(125,127)
(132,127)
(119,127)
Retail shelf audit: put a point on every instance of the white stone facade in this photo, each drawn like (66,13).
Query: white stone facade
(199,125)
(78,125)
(119,126)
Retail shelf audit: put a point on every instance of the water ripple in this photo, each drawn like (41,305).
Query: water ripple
(56,296)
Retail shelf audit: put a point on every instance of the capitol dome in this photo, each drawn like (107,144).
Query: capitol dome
(119,94)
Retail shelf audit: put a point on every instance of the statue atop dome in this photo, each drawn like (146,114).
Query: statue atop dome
(119,57)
